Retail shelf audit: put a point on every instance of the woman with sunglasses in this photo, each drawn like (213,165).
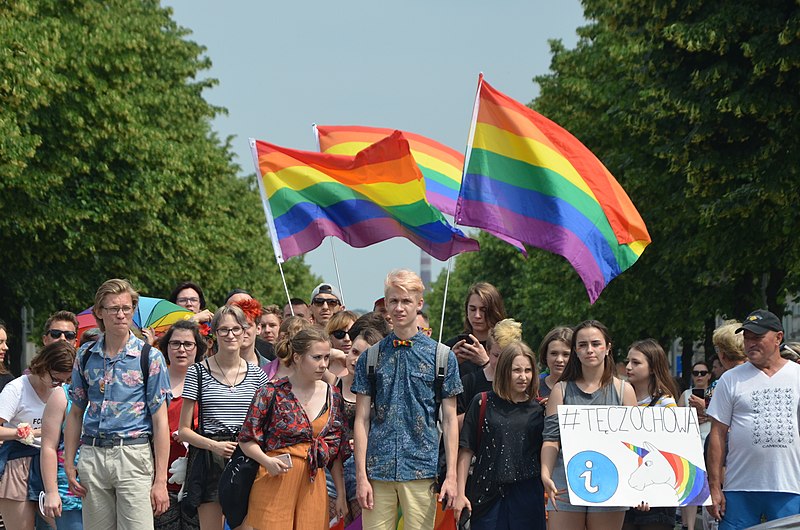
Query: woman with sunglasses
(345,464)
(183,346)
(223,387)
(22,402)
(338,329)
(698,396)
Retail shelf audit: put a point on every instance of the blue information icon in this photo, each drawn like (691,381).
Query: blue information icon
(592,476)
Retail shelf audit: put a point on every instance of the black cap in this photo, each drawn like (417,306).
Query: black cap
(760,321)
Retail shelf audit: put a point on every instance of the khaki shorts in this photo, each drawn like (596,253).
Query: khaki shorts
(14,483)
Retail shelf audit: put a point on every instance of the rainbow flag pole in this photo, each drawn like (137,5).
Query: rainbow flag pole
(271,231)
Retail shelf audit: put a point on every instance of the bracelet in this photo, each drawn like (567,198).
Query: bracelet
(484,365)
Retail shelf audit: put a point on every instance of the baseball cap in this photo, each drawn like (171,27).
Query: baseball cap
(326,288)
(760,321)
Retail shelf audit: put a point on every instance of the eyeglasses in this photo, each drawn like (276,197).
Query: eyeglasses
(126,310)
(319,302)
(424,330)
(699,373)
(188,299)
(187,345)
(224,332)
(55,382)
(56,333)
(340,333)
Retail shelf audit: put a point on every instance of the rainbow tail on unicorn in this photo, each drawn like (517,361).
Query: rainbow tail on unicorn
(660,467)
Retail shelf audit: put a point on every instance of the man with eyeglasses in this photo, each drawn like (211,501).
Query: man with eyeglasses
(325,301)
(755,407)
(121,383)
(61,325)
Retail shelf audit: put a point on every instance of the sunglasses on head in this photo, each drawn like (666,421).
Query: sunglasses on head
(319,302)
(699,373)
(56,333)
(340,333)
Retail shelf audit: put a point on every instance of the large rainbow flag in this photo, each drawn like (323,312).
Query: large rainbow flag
(440,165)
(528,178)
(375,195)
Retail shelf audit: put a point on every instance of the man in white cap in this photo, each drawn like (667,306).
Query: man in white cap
(755,407)
(325,301)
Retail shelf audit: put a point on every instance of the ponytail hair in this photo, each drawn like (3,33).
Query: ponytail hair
(299,344)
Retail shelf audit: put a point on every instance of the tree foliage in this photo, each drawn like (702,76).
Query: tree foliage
(108,164)
(693,107)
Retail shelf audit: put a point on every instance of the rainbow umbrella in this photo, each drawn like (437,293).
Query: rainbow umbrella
(158,314)
(86,321)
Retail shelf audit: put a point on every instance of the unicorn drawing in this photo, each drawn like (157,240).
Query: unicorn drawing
(661,467)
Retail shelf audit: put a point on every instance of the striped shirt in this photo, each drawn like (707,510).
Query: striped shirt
(223,408)
(663,401)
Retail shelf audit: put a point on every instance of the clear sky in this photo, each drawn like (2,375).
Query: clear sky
(409,65)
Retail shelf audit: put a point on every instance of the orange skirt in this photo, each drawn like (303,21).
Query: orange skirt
(289,501)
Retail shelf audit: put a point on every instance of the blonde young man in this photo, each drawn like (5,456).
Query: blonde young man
(122,487)
(396,453)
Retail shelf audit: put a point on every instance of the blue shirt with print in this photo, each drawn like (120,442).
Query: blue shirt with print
(123,408)
(403,440)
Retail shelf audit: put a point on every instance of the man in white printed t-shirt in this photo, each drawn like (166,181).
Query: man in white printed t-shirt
(759,402)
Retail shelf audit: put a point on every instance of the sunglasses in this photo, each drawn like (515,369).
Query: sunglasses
(319,302)
(340,333)
(56,333)
(699,373)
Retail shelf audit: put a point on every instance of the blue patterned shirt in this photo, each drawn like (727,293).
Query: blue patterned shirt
(403,440)
(122,408)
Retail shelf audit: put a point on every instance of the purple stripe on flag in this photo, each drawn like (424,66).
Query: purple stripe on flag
(369,232)
(548,236)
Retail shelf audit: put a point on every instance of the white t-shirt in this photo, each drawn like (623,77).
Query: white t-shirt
(763,442)
(19,403)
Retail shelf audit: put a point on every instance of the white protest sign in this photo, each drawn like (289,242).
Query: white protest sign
(622,456)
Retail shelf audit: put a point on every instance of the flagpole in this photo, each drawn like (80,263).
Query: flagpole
(444,297)
(271,231)
(467,151)
(336,266)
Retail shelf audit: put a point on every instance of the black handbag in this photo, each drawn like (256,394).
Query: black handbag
(198,460)
(237,480)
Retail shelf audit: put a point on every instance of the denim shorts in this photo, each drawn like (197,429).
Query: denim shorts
(745,508)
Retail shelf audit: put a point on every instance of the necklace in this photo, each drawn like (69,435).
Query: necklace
(231,387)
(106,378)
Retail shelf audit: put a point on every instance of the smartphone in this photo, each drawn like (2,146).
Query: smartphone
(286,459)
(464,337)
(699,392)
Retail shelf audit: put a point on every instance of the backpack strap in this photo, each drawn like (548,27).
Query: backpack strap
(442,356)
(144,361)
(85,359)
(372,362)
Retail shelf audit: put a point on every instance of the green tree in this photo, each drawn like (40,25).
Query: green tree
(692,106)
(110,167)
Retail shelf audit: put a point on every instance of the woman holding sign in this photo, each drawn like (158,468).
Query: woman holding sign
(503,429)
(648,373)
(587,380)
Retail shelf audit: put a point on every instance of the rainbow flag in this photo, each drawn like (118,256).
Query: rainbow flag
(375,195)
(528,178)
(441,166)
